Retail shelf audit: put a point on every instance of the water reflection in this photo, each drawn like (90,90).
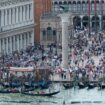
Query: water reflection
(71,96)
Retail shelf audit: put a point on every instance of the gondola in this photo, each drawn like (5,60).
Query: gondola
(11,85)
(40,94)
(42,85)
(6,84)
(81,85)
(15,84)
(102,86)
(7,91)
(91,85)
(27,85)
(68,86)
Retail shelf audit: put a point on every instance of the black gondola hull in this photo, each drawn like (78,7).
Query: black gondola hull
(41,94)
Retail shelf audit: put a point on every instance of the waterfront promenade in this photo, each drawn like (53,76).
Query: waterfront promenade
(57,78)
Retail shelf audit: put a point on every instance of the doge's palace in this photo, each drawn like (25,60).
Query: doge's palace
(16,25)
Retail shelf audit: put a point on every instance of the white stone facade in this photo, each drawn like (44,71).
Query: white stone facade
(16,25)
(51,29)
(80,8)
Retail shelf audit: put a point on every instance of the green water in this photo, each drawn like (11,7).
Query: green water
(81,97)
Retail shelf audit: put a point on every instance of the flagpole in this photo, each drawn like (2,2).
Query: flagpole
(89,15)
(95,16)
(101,14)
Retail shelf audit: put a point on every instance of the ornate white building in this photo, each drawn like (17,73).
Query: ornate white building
(80,9)
(16,25)
(85,14)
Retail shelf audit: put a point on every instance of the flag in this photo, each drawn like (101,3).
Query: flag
(101,4)
(89,8)
(95,7)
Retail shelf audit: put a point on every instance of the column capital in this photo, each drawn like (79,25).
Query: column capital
(66,17)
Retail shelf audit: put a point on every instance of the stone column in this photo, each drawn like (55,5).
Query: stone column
(7,45)
(32,12)
(21,13)
(28,38)
(0,46)
(2,17)
(32,37)
(21,40)
(27,12)
(3,45)
(13,15)
(65,35)
(24,14)
(9,16)
(24,40)
(17,14)
(17,42)
(5,17)
(14,43)
(11,45)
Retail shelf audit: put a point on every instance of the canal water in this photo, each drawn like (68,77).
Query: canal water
(71,97)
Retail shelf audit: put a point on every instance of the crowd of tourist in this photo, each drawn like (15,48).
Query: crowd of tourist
(87,57)
(82,51)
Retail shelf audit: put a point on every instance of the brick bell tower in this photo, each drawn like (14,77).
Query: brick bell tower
(40,7)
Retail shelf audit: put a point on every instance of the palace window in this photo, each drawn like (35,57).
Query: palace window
(92,6)
(74,6)
(83,6)
(54,34)
(49,33)
(70,6)
(97,6)
(79,6)
(44,34)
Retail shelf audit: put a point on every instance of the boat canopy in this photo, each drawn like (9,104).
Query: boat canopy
(21,69)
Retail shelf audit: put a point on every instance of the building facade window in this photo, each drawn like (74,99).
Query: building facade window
(74,6)
(44,34)
(49,33)
(54,35)
(98,6)
(92,7)
(79,6)
(83,6)
(70,8)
